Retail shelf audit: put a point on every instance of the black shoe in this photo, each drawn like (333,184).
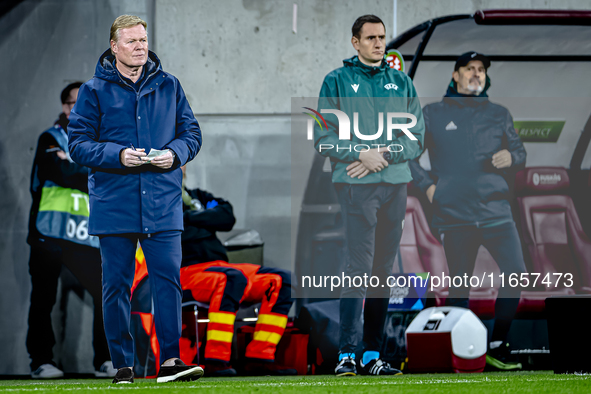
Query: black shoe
(179,372)
(123,375)
(346,367)
(502,359)
(378,367)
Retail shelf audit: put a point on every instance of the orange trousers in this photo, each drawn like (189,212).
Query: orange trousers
(224,286)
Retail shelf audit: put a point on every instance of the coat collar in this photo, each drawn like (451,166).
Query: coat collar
(355,63)
(465,100)
(105,68)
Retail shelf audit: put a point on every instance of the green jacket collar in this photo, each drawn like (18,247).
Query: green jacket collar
(354,62)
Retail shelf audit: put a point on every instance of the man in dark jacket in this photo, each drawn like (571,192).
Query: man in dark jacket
(474,153)
(54,172)
(370,183)
(135,193)
(206,276)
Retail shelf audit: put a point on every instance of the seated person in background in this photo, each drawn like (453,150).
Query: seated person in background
(207,275)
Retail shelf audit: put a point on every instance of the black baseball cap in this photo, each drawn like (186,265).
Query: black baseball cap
(468,57)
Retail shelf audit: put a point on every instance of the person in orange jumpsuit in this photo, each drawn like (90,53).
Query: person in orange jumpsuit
(206,276)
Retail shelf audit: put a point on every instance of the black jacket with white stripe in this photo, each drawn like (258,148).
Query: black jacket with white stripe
(462,134)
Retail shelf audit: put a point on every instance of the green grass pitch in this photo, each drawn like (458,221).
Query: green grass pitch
(492,382)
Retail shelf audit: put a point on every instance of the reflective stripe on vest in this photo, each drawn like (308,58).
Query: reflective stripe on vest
(63,214)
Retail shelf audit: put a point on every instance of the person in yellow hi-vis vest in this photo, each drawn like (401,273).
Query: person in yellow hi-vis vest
(58,235)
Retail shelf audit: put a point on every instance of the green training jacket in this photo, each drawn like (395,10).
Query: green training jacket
(369,92)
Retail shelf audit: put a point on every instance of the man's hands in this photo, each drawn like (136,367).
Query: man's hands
(373,160)
(163,161)
(369,161)
(133,158)
(357,170)
(502,159)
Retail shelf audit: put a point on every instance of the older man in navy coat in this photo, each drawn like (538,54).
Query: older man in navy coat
(129,108)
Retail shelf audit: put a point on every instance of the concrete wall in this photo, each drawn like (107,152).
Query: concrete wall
(239,62)
(242,56)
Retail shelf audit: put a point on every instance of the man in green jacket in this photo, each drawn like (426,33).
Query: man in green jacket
(370,173)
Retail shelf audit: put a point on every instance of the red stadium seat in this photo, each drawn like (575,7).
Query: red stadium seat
(552,229)
(552,232)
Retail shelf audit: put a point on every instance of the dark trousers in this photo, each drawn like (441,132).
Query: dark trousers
(502,242)
(45,266)
(373,216)
(163,259)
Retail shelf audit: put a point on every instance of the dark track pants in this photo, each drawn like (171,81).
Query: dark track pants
(163,259)
(502,242)
(373,216)
(45,267)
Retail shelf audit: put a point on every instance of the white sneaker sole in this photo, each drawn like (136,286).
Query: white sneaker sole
(190,374)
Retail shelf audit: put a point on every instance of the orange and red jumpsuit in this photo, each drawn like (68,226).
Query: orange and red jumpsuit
(207,277)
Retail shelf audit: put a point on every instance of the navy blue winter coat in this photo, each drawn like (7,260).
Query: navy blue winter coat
(110,116)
